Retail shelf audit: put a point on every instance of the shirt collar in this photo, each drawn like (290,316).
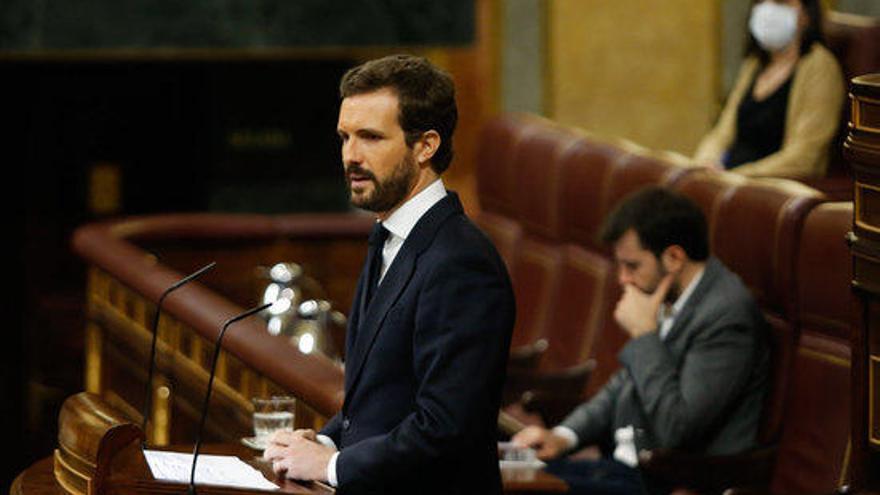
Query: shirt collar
(402,221)
(686,294)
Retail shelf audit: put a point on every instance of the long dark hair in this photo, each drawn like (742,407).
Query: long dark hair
(812,34)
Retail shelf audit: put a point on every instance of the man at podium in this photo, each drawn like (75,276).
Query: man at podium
(432,316)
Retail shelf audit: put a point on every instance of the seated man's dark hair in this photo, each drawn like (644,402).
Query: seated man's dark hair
(661,218)
(425,93)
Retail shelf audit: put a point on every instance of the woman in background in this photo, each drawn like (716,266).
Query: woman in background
(784,110)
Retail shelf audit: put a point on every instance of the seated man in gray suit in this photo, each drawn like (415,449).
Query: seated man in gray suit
(694,372)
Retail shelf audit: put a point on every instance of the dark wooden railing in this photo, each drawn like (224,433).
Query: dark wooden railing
(131,261)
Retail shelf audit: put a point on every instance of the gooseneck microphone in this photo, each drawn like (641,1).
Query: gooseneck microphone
(149,392)
(230,321)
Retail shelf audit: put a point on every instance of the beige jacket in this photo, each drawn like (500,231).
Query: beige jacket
(812,119)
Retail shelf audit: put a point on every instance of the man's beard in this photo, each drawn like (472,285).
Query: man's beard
(674,289)
(387,194)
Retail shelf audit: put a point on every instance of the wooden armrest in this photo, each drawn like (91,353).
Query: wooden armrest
(569,380)
(527,357)
(552,394)
(705,473)
(552,407)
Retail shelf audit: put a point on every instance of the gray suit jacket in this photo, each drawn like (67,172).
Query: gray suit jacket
(700,390)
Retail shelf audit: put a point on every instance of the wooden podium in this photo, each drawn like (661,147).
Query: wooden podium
(99,452)
(863,151)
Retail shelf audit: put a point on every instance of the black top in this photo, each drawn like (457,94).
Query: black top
(760,126)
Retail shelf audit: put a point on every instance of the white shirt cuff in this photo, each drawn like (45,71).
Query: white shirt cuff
(331,471)
(331,466)
(568,435)
(326,441)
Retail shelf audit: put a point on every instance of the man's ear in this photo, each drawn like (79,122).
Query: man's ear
(426,147)
(673,258)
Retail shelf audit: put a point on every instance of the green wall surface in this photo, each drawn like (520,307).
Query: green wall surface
(95,24)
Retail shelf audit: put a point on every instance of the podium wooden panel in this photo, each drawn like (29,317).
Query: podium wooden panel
(99,453)
(862,149)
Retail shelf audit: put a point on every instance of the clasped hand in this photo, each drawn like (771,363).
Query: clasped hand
(298,455)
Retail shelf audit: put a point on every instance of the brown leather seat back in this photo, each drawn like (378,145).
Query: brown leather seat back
(496,177)
(855,41)
(505,233)
(816,424)
(815,436)
(757,236)
(496,184)
(587,170)
(562,284)
(581,307)
(537,165)
(709,191)
(827,303)
(782,341)
(639,171)
(588,289)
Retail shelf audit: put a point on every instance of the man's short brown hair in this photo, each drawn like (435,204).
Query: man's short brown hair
(426,96)
(661,218)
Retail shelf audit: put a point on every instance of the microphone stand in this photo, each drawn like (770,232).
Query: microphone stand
(149,391)
(230,321)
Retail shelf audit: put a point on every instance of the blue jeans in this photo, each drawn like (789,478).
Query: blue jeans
(600,477)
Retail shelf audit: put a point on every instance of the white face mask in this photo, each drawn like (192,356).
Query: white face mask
(773,25)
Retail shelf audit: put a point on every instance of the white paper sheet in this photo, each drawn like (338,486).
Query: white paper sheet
(222,470)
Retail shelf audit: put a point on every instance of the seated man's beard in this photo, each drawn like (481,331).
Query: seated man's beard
(386,194)
(674,289)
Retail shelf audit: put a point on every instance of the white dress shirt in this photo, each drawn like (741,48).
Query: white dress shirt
(624,438)
(399,224)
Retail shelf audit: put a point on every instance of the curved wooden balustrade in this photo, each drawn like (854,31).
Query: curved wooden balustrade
(125,280)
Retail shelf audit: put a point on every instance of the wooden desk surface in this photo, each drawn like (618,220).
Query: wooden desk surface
(531,481)
(39,478)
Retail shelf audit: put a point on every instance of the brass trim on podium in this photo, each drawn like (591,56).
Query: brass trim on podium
(856,121)
(94,347)
(859,211)
(70,478)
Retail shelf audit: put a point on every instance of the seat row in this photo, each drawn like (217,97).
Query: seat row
(544,190)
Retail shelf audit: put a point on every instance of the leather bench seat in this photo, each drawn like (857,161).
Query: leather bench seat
(544,192)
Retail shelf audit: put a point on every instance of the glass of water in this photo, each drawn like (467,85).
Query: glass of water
(271,415)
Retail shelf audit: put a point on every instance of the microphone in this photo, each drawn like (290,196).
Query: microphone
(230,321)
(149,392)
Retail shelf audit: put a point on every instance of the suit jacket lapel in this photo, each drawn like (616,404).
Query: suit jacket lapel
(396,279)
(357,311)
(682,320)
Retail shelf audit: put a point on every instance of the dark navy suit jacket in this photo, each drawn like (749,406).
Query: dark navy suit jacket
(425,364)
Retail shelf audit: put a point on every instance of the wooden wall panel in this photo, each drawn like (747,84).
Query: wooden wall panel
(646,71)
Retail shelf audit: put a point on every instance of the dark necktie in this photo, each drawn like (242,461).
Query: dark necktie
(377,242)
